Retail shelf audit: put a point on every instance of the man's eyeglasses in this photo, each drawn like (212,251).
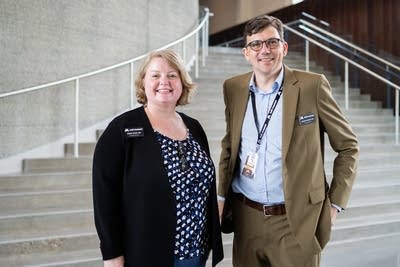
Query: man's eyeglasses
(270,43)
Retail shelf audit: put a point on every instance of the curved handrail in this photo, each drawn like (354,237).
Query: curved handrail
(202,26)
(117,65)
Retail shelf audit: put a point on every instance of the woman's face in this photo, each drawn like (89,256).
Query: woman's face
(162,83)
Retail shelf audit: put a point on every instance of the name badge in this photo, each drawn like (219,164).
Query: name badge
(249,167)
(306,119)
(134,132)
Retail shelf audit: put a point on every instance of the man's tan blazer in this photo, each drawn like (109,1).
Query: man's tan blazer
(309,110)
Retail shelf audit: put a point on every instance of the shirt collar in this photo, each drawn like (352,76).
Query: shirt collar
(277,84)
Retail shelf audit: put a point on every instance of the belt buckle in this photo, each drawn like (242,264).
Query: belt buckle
(265,211)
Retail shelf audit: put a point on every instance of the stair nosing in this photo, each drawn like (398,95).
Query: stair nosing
(42,238)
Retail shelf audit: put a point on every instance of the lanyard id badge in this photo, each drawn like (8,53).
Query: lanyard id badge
(249,167)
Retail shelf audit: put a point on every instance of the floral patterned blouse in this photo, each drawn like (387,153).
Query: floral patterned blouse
(190,173)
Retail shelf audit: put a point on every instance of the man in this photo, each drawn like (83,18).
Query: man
(273,192)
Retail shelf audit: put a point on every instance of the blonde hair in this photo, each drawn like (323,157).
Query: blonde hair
(175,61)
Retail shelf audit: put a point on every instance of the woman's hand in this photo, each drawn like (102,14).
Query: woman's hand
(116,262)
(220,208)
(334,213)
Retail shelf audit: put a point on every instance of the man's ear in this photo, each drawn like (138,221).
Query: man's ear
(285,48)
(245,53)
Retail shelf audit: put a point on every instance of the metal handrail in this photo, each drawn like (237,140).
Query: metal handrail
(316,20)
(202,26)
(347,61)
(337,38)
(353,51)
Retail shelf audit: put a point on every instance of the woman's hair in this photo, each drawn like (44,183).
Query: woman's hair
(259,23)
(175,61)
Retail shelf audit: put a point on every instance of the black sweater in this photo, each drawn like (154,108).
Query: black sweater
(134,207)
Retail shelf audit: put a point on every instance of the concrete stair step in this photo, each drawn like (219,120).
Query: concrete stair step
(374,193)
(373,120)
(369,161)
(44,181)
(32,226)
(361,200)
(85,149)
(371,138)
(42,250)
(78,258)
(375,225)
(359,104)
(371,251)
(338,96)
(45,201)
(373,175)
(367,209)
(373,128)
(367,180)
(379,112)
(42,165)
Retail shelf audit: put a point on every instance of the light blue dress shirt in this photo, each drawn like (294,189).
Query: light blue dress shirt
(267,184)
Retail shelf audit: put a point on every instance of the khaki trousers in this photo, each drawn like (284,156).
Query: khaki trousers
(265,241)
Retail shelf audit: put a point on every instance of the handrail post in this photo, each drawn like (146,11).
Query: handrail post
(346,84)
(203,45)
(307,52)
(196,59)
(207,31)
(76,136)
(184,52)
(131,83)
(396,116)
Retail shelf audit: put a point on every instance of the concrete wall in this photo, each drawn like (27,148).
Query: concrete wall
(48,40)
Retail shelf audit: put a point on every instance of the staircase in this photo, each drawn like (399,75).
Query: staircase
(46,216)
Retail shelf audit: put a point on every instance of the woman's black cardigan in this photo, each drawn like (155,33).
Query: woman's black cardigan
(134,207)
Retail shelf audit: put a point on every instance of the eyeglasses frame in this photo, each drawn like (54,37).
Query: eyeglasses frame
(262,43)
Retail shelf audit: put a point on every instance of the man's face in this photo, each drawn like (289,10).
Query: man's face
(267,61)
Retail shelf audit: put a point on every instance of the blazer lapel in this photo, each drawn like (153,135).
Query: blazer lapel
(241,97)
(290,98)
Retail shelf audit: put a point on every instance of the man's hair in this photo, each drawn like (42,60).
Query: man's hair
(259,23)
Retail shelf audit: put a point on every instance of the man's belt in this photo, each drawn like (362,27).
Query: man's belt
(268,210)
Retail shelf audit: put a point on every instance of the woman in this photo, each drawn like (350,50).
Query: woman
(153,179)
